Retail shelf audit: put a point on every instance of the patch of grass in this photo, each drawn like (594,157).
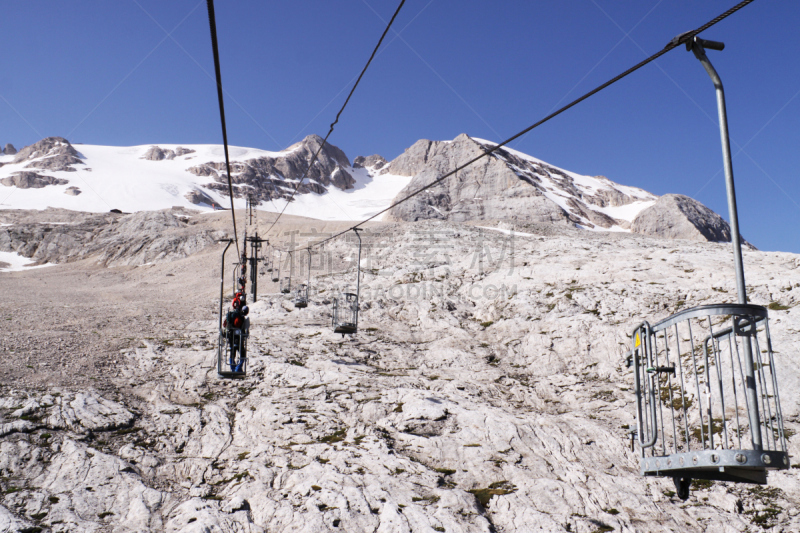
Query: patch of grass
(295,362)
(39,516)
(487,323)
(429,499)
(473,445)
(336,436)
(499,488)
(242,456)
(775,306)
(316,487)
(700,484)
(105,514)
(53,499)
(445,471)
(322,461)
(611,511)
(399,408)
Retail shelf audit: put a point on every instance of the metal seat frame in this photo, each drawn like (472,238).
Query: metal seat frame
(711,399)
(345,313)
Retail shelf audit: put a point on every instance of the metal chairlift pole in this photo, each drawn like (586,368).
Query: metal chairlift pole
(358,272)
(698,46)
(308,284)
(222,280)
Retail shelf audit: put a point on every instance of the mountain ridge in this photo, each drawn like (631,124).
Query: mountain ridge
(505,186)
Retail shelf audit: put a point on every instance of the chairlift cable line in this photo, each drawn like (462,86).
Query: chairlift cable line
(213,27)
(674,43)
(316,155)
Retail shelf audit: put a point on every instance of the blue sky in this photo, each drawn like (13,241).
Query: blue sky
(134,72)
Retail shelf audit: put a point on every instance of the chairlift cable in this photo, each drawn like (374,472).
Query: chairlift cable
(213,26)
(322,144)
(674,43)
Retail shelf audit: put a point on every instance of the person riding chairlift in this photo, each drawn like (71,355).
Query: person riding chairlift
(235,319)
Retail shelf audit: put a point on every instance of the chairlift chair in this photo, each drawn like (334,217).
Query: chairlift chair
(286,285)
(230,339)
(706,385)
(345,306)
(345,313)
(276,272)
(301,296)
(707,401)
(237,342)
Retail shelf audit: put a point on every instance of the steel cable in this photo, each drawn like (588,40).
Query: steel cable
(213,26)
(322,144)
(674,43)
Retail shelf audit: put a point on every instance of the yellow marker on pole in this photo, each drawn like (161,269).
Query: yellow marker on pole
(637,342)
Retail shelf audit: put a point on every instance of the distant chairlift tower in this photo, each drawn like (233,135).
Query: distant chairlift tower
(707,402)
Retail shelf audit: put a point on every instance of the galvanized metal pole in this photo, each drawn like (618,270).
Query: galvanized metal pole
(358,275)
(697,46)
(222,281)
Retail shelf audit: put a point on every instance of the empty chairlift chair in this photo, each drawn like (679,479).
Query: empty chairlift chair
(301,294)
(706,384)
(707,400)
(345,313)
(276,269)
(345,306)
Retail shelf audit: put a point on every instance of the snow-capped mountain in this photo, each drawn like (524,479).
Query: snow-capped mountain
(506,186)
(54,173)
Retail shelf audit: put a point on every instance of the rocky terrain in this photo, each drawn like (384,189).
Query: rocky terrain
(485,389)
(271,178)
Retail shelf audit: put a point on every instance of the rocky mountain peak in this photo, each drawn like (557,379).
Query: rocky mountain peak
(676,216)
(270,177)
(51,153)
(9,149)
(156,153)
(509,185)
(374,163)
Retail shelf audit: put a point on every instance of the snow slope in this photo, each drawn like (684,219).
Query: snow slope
(118,178)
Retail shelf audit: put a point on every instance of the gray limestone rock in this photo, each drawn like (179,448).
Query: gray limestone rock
(265,178)
(9,149)
(73,191)
(52,153)
(490,189)
(374,162)
(113,239)
(198,197)
(156,153)
(31,180)
(676,216)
